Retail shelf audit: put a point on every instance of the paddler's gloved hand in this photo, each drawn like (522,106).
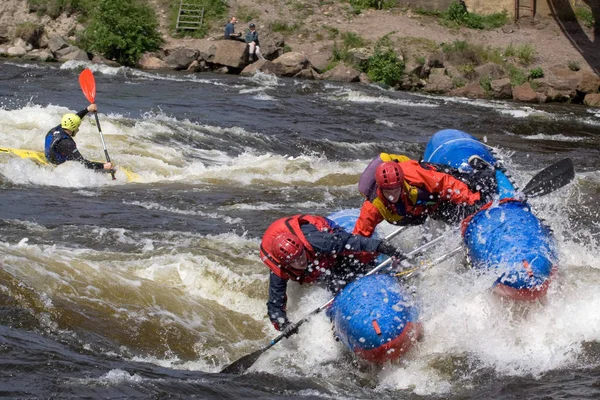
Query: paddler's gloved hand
(389,249)
(472,209)
(288,329)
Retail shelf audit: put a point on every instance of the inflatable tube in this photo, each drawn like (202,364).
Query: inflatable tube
(504,237)
(375,319)
(372,316)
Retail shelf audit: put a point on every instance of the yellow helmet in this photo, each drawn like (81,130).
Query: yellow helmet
(70,122)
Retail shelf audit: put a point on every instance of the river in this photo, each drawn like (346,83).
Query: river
(147,289)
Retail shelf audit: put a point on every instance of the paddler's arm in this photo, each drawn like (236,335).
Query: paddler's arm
(69,148)
(277,301)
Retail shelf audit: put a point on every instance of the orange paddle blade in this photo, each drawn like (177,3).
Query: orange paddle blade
(88,85)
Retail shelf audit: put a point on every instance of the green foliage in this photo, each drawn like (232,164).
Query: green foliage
(420,60)
(461,52)
(574,66)
(458,82)
(585,16)
(536,73)
(486,84)
(524,52)
(385,66)
(468,70)
(457,15)
(456,12)
(517,75)
(350,41)
(359,5)
(53,8)
(287,48)
(122,30)
(332,32)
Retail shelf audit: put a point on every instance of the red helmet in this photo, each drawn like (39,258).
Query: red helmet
(286,248)
(389,175)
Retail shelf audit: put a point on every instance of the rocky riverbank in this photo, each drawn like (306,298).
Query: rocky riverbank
(525,61)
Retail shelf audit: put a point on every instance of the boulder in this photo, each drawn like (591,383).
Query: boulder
(98,59)
(438,82)
(16,51)
(564,79)
(359,56)
(472,90)
(501,88)
(265,66)
(524,93)
(307,73)
(291,63)
(181,58)
(271,45)
(77,54)
(491,71)
(56,43)
(39,55)
(589,83)
(592,100)
(150,62)
(230,53)
(342,73)
(319,59)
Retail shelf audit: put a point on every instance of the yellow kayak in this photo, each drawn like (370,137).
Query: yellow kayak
(40,158)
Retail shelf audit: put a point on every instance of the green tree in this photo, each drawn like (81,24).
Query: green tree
(122,30)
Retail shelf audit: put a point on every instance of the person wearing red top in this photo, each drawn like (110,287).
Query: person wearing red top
(403,192)
(311,248)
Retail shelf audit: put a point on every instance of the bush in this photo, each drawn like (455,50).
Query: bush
(585,16)
(122,30)
(384,66)
(536,73)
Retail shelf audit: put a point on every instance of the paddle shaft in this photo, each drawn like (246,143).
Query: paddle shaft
(101,137)
(112,172)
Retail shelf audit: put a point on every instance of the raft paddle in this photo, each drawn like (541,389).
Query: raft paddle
(88,87)
(550,178)
(241,365)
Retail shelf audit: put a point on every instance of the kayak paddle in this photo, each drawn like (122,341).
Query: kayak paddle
(88,87)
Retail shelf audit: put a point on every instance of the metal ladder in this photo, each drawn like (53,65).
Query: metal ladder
(190,15)
(525,5)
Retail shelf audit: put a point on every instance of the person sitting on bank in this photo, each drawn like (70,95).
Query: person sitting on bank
(60,146)
(230,30)
(253,44)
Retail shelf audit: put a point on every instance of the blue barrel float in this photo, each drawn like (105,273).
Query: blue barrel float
(373,316)
(504,236)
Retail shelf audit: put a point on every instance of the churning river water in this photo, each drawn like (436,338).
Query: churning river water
(113,289)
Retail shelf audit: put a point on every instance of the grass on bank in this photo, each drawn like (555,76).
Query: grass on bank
(457,15)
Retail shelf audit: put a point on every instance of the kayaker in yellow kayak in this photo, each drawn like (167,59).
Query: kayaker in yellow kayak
(60,146)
